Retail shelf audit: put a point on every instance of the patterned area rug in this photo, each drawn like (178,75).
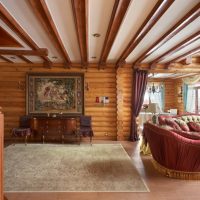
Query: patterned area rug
(70,168)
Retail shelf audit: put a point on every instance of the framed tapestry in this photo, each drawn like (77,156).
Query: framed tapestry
(52,94)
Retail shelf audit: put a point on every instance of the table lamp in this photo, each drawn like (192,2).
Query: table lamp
(154,108)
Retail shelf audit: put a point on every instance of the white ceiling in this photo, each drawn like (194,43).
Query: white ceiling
(62,15)
(168,20)
(137,13)
(99,14)
(184,34)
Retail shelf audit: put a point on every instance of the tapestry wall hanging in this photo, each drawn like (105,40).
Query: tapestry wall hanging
(53,94)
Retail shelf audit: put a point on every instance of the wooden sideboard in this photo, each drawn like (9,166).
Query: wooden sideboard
(50,128)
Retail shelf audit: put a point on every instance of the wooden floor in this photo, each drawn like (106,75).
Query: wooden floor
(160,187)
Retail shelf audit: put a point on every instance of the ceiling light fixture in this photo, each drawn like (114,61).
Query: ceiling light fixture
(93,57)
(96,35)
(12,57)
(54,57)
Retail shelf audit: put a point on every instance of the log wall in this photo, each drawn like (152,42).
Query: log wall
(124,87)
(110,122)
(100,83)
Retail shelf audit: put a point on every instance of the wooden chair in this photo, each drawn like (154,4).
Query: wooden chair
(24,129)
(85,129)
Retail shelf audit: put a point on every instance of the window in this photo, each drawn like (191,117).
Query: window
(155,94)
(193,99)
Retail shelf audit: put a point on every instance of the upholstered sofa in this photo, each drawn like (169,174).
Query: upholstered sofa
(175,150)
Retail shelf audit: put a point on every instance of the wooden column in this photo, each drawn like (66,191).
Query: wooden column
(119,105)
(1,153)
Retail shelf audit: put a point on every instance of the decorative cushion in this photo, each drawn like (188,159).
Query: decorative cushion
(194,126)
(189,135)
(182,124)
(161,119)
(171,122)
(167,127)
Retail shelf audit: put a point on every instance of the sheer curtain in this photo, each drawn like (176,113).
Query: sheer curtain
(190,100)
(156,97)
(189,92)
(185,95)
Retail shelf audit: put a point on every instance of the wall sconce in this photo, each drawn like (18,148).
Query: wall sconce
(21,85)
(180,91)
(180,94)
(87,86)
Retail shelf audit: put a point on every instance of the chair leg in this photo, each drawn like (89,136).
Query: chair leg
(91,140)
(26,139)
(63,138)
(43,139)
(13,137)
(14,140)
(80,138)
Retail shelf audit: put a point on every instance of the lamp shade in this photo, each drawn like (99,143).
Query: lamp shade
(154,108)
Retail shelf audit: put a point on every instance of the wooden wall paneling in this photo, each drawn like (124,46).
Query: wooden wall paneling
(110,122)
(179,102)
(124,87)
(119,83)
(100,83)
(1,155)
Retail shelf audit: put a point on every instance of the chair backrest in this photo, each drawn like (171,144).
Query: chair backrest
(24,121)
(85,121)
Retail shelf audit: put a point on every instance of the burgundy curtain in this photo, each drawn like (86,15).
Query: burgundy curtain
(138,91)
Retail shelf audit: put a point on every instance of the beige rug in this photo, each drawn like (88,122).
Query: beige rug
(70,168)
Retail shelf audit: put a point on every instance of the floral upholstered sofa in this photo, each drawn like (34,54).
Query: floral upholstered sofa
(175,145)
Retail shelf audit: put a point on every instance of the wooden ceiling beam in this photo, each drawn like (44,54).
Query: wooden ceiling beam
(13,25)
(38,52)
(193,14)
(183,56)
(119,11)
(6,59)
(185,75)
(80,11)
(159,9)
(178,47)
(24,59)
(41,10)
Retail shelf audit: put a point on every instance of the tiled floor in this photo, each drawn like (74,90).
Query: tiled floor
(160,187)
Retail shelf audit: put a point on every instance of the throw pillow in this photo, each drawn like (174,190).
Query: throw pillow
(182,124)
(161,119)
(194,126)
(189,135)
(171,122)
(167,127)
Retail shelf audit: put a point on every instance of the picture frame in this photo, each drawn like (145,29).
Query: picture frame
(55,94)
